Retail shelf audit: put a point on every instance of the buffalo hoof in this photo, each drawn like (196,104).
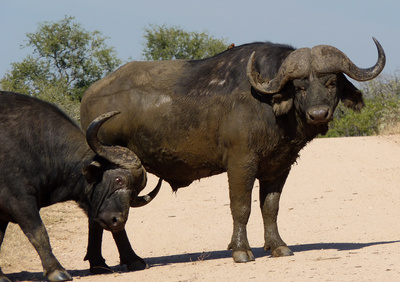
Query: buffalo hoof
(100,269)
(281,251)
(59,275)
(137,265)
(243,256)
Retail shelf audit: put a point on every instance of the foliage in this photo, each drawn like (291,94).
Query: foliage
(382,110)
(66,59)
(167,43)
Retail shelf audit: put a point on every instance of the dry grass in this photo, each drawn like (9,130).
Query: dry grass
(391,130)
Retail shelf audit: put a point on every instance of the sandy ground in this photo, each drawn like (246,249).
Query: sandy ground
(339,213)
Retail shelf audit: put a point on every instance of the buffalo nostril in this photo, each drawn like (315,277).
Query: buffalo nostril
(117,224)
(115,221)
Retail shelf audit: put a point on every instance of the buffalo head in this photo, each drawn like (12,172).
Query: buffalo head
(312,80)
(116,176)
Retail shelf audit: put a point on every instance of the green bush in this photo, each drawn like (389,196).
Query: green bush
(50,92)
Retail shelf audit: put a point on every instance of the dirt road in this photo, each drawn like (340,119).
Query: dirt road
(339,213)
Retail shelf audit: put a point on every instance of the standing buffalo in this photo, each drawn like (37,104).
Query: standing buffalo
(247,111)
(45,159)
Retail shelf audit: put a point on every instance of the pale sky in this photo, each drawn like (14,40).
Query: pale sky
(346,24)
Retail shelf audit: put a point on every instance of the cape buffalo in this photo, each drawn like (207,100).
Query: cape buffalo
(247,111)
(45,159)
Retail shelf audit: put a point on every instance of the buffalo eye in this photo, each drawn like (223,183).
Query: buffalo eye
(302,90)
(300,86)
(119,181)
(332,83)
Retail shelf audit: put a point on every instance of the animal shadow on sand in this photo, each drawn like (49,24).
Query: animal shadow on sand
(258,252)
(203,256)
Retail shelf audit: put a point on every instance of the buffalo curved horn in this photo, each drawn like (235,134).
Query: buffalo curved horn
(116,154)
(297,64)
(321,59)
(328,59)
(141,201)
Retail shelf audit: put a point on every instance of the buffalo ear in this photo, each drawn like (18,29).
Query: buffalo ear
(281,105)
(351,96)
(92,172)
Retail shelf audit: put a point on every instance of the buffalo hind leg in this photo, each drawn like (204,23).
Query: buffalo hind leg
(240,187)
(126,253)
(93,255)
(270,194)
(3,227)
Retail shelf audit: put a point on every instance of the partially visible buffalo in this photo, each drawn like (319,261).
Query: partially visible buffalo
(45,159)
(247,111)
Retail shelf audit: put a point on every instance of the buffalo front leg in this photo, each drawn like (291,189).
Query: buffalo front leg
(240,187)
(33,227)
(126,253)
(93,255)
(270,194)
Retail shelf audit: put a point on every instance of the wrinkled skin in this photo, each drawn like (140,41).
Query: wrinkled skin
(236,112)
(46,160)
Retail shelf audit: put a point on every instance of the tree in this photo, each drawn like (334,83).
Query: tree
(31,76)
(66,59)
(166,43)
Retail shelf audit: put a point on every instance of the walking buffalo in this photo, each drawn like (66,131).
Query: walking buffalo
(45,159)
(247,111)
